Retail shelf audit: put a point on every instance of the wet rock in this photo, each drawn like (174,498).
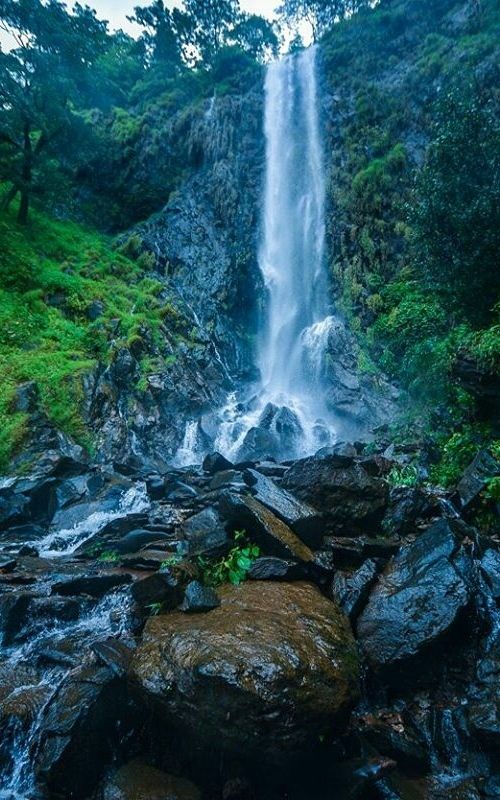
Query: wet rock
(114,654)
(266,530)
(92,585)
(199,598)
(28,550)
(419,597)
(474,479)
(215,462)
(139,781)
(484,720)
(156,487)
(27,398)
(407,506)
(345,551)
(376,465)
(163,587)
(13,614)
(66,610)
(24,704)
(80,731)
(146,559)
(205,531)
(180,491)
(348,496)
(490,567)
(299,516)
(228,478)
(351,591)
(342,454)
(262,676)
(269,568)
(271,470)
(393,734)
(137,539)
(22,533)
(354,780)
(14,508)
(7,564)
(259,443)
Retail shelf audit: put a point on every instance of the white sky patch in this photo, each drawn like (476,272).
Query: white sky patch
(116,12)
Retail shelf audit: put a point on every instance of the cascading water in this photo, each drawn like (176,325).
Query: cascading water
(287,417)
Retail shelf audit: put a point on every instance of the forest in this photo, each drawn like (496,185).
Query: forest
(250,400)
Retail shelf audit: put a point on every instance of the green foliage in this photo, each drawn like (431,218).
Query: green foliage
(109,556)
(404,475)
(232,568)
(456,212)
(46,335)
(456,454)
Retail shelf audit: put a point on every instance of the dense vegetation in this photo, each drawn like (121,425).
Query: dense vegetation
(414,227)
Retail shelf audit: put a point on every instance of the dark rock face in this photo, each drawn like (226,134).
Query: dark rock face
(418,598)
(267,672)
(351,591)
(349,497)
(299,516)
(474,478)
(266,530)
(199,598)
(354,398)
(93,585)
(162,587)
(205,531)
(80,731)
(215,462)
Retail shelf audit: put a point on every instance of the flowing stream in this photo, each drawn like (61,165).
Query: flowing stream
(286,416)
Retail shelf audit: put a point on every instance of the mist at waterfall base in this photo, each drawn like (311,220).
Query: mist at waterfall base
(285,415)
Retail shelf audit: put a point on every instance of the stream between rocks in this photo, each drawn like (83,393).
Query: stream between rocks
(359,659)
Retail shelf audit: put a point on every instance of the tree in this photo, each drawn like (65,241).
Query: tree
(456,211)
(319,14)
(256,36)
(163,35)
(39,78)
(208,24)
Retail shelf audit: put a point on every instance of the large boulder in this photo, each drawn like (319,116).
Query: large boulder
(262,676)
(349,495)
(418,599)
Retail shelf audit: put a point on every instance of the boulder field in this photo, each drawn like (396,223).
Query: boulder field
(246,630)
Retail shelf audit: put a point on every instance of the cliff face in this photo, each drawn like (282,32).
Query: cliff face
(203,248)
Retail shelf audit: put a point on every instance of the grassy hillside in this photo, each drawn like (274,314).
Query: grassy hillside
(68,300)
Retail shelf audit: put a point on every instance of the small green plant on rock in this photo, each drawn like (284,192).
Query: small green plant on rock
(404,475)
(232,568)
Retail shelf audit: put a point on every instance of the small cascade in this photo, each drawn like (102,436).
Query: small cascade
(21,741)
(65,541)
(190,452)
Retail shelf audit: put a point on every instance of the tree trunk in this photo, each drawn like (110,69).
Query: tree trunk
(26,176)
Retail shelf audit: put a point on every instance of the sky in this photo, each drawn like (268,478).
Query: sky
(116,10)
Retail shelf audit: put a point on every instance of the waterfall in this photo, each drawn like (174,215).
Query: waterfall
(291,256)
(285,416)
